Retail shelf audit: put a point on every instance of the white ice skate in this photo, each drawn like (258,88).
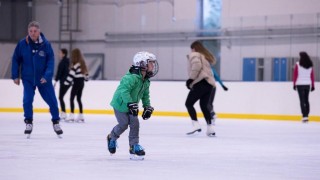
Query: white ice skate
(63,116)
(196,127)
(305,120)
(80,118)
(70,119)
(210,130)
(213,120)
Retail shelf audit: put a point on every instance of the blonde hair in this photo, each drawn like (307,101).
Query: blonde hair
(198,47)
(77,57)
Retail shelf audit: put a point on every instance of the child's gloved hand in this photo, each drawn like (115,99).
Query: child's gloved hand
(147,112)
(133,109)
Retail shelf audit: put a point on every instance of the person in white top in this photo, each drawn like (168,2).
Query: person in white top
(303,81)
(78,74)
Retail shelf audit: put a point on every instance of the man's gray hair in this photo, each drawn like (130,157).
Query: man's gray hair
(34,24)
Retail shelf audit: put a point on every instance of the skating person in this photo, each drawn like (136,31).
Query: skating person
(62,73)
(303,81)
(201,83)
(33,61)
(213,94)
(78,74)
(134,86)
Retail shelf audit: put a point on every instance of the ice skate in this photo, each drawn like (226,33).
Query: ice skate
(80,118)
(196,127)
(57,129)
(210,130)
(213,119)
(305,120)
(28,130)
(70,119)
(112,145)
(136,152)
(63,116)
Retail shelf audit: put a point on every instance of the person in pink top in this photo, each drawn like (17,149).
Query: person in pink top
(303,81)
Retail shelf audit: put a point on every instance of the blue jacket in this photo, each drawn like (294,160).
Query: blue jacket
(216,76)
(36,60)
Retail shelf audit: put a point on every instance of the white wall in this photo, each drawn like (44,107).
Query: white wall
(6,51)
(169,97)
(237,8)
(264,14)
(97,18)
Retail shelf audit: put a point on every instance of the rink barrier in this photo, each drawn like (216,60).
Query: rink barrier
(184,114)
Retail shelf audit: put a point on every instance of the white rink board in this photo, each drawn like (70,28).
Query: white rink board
(275,98)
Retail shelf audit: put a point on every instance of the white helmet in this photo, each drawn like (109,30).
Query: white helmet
(141,60)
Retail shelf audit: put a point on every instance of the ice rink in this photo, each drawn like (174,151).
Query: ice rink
(242,149)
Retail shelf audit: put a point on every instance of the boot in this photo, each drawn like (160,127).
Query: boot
(137,152)
(305,120)
(63,115)
(57,128)
(195,127)
(29,127)
(70,119)
(210,130)
(80,118)
(112,145)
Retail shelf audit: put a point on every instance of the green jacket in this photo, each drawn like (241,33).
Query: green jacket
(131,89)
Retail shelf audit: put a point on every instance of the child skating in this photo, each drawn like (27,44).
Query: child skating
(133,87)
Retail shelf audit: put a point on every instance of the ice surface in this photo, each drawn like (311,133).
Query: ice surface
(242,149)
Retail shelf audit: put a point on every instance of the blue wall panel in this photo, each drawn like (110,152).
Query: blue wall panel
(280,69)
(249,69)
(283,66)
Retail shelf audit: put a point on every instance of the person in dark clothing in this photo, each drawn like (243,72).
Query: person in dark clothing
(213,94)
(303,81)
(77,75)
(62,73)
(33,62)
(200,83)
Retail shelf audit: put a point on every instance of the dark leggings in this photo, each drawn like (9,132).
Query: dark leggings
(77,88)
(303,91)
(200,91)
(62,92)
(210,104)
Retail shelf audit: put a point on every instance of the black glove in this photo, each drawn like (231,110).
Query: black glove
(294,87)
(188,82)
(147,112)
(312,88)
(224,88)
(133,109)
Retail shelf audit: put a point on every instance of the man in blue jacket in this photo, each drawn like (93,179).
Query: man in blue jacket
(33,62)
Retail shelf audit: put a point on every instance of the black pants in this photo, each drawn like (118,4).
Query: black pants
(77,88)
(200,91)
(303,91)
(210,105)
(62,92)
